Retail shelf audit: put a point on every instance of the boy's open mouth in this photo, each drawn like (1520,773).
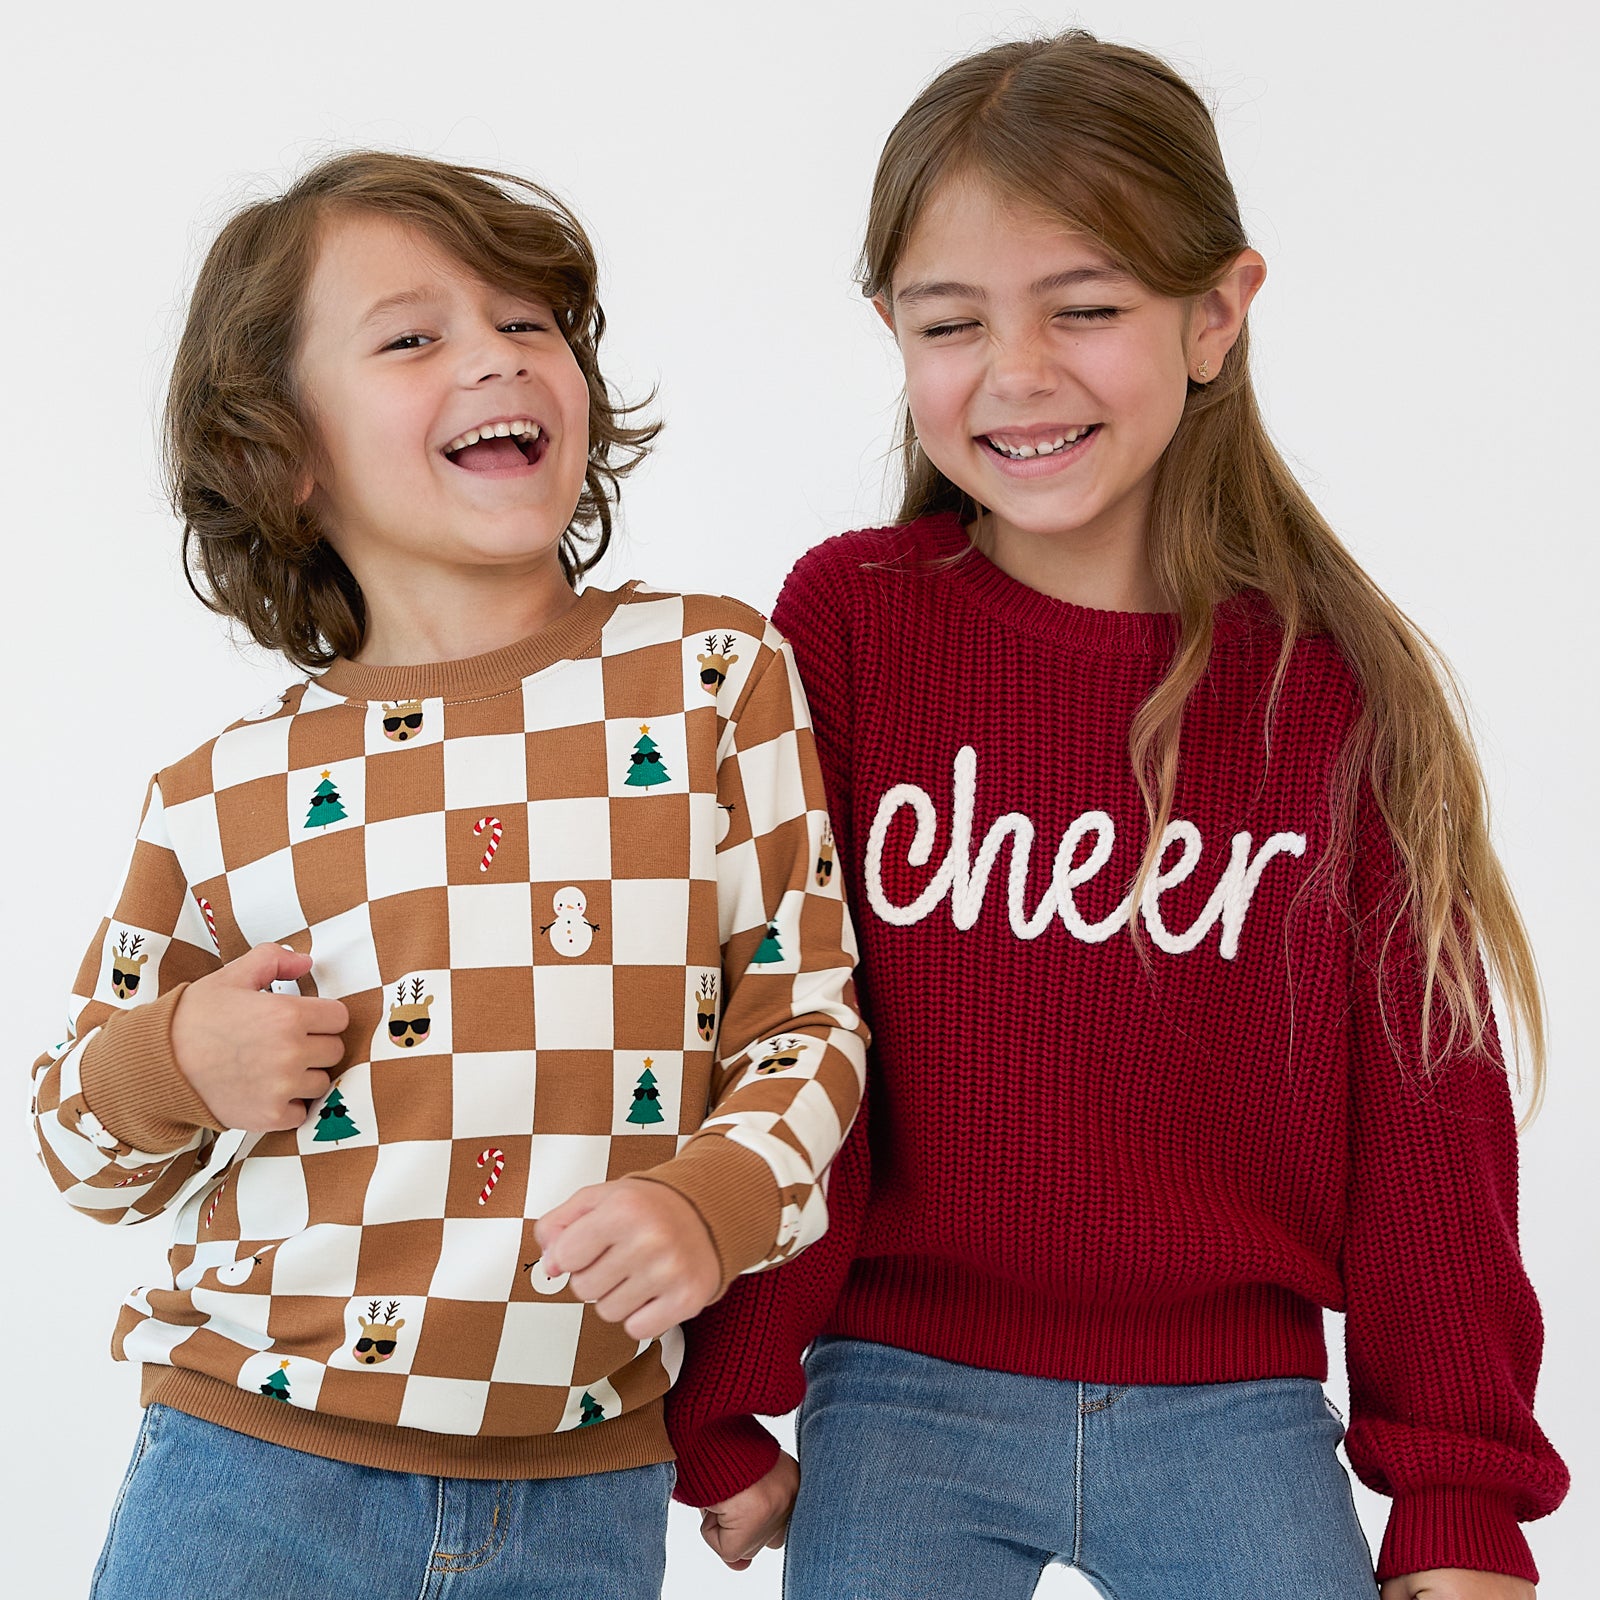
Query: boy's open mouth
(495,446)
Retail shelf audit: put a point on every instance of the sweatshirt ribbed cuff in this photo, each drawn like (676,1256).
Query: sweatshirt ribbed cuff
(722,1459)
(131,1080)
(735,1193)
(1451,1527)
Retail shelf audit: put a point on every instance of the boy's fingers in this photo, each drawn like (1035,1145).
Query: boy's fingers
(322,1016)
(564,1215)
(650,1320)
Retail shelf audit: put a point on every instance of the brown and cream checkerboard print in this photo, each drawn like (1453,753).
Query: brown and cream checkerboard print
(570,893)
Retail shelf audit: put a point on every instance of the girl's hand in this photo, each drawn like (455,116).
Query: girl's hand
(756,1518)
(1454,1583)
(254,1057)
(637,1251)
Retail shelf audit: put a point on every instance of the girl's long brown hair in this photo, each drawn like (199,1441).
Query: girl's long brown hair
(1113,143)
(237,437)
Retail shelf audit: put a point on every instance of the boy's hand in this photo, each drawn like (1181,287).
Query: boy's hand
(1454,1583)
(637,1251)
(755,1519)
(257,1058)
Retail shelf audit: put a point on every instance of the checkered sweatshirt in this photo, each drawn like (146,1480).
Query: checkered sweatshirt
(577,896)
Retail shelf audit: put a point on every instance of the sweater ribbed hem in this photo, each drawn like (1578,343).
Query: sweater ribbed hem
(735,1194)
(134,1086)
(473,676)
(728,1456)
(939,1309)
(1449,1527)
(634,1439)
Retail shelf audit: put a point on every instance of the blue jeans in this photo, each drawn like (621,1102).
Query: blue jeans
(927,1480)
(209,1514)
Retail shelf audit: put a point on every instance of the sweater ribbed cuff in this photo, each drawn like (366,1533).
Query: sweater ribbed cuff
(736,1195)
(1451,1527)
(722,1459)
(131,1080)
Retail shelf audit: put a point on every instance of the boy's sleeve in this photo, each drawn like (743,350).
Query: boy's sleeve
(791,1048)
(120,1129)
(742,1355)
(1443,1333)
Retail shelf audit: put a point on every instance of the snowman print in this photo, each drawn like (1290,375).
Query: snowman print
(571,933)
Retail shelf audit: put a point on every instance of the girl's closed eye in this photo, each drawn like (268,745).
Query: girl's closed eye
(943,330)
(1083,314)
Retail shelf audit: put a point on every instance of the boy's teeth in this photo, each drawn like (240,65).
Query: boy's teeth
(522,429)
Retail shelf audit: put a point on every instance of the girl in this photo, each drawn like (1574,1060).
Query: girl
(1175,878)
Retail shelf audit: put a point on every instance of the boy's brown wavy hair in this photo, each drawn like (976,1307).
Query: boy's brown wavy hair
(237,439)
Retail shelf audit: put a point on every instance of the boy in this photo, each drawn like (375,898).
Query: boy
(476,1011)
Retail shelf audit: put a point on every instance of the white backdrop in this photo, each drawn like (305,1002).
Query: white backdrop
(1419,176)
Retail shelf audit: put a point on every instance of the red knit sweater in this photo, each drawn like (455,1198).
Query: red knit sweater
(1134,1163)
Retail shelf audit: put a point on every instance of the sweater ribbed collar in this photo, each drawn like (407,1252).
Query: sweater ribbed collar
(941,540)
(473,677)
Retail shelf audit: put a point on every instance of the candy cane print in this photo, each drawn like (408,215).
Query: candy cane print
(493,826)
(211,1210)
(211,921)
(499,1159)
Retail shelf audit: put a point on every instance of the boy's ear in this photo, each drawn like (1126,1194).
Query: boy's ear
(881,306)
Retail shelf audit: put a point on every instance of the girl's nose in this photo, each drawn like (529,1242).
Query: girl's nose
(1020,370)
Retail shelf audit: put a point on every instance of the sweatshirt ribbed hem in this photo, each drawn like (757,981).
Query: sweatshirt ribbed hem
(135,1088)
(634,1439)
(939,1309)
(1449,1527)
(729,1455)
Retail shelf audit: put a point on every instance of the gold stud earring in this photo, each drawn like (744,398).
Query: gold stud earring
(1205,369)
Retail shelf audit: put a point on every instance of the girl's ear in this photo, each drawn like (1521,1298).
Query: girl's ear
(1219,314)
(881,306)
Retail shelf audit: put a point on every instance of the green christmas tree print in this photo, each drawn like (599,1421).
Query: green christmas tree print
(646,1098)
(325,807)
(278,1384)
(769,948)
(593,1411)
(647,769)
(333,1121)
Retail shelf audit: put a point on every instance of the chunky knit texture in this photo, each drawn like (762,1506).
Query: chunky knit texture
(1121,1161)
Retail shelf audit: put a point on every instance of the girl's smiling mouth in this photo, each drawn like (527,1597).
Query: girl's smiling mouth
(508,444)
(1034,452)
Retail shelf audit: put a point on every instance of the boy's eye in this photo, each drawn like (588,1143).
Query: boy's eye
(522,325)
(409,341)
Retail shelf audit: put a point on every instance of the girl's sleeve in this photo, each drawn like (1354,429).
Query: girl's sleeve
(1443,1333)
(791,1046)
(743,1354)
(120,1129)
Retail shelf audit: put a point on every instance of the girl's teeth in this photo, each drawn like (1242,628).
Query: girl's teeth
(1046,447)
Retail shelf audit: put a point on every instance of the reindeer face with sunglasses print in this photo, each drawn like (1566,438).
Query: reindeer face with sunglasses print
(126,963)
(409,1021)
(402,720)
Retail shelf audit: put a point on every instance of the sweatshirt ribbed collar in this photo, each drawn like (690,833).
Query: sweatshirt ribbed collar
(473,677)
